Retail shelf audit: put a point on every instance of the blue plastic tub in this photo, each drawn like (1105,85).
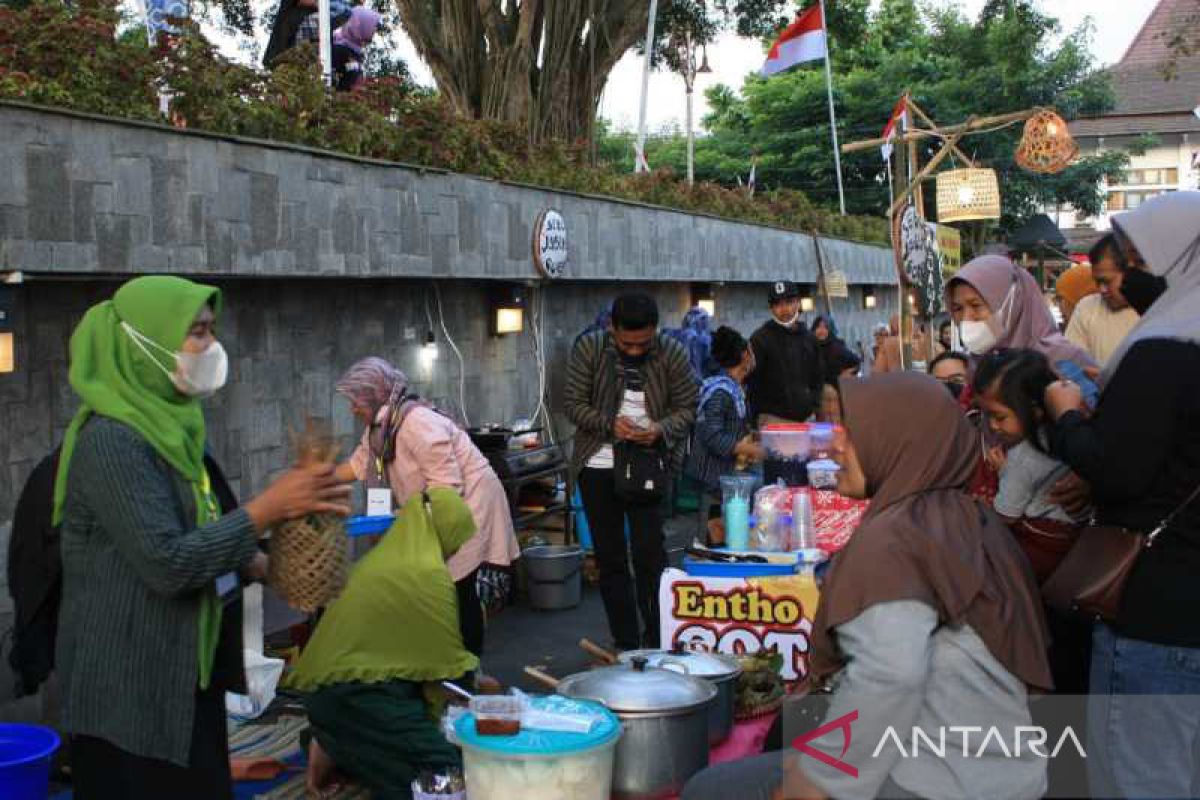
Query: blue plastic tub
(716,569)
(25,755)
(369,526)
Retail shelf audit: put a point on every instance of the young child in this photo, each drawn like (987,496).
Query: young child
(1009,385)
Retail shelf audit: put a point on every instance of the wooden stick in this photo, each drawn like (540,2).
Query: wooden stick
(925,170)
(929,121)
(593,649)
(966,127)
(542,677)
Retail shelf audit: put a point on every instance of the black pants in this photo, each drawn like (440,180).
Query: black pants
(470,614)
(623,599)
(102,771)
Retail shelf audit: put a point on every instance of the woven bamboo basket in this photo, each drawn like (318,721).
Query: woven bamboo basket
(966,194)
(309,556)
(1046,144)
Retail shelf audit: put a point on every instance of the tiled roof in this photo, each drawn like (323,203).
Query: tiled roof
(1145,89)
(1150,47)
(1135,124)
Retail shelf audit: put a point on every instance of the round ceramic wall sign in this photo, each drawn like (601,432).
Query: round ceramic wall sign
(550,244)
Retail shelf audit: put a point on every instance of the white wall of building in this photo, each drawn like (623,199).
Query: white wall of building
(1171,165)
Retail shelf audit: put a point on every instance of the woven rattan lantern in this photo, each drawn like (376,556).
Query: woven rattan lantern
(1046,146)
(966,194)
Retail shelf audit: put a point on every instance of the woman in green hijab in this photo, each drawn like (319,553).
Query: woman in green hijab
(394,627)
(149,629)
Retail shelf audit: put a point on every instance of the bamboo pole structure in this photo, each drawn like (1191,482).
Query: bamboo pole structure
(965,127)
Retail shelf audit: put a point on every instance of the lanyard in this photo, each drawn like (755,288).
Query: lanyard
(212,509)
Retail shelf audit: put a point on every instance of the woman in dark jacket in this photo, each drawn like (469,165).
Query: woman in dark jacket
(1141,454)
(835,356)
(722,437)
(150,562)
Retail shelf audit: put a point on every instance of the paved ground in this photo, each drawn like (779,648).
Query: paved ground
(520,636)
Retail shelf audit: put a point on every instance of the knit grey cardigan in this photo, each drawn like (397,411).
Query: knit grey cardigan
(134,569)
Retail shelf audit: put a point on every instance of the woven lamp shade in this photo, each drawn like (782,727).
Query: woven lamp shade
(966,194)
(1046,145)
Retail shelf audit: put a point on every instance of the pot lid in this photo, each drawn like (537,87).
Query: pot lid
(713,666)
(637,688)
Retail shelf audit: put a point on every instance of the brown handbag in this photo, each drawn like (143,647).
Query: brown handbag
(1091,579)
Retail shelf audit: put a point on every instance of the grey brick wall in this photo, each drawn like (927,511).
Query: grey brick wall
(326,259)
(82,194)
(289,340)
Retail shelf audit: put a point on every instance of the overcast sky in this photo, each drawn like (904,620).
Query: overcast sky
(731,58)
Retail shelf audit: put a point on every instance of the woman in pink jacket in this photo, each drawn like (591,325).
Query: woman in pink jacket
(409,446)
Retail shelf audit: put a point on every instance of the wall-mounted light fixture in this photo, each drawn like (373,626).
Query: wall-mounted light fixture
(869,299)
(806,300)
(429,350)
(8,338)
(703,296)
(507,312)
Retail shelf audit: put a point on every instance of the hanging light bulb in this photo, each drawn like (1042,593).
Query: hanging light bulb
(429,350)
(966,194)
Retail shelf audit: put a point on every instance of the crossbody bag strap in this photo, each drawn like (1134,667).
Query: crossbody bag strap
(1166,523)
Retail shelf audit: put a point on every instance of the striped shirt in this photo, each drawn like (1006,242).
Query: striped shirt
(595,384)
(134,570)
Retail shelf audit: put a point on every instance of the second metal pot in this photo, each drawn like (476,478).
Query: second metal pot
(721,671)
(665,717)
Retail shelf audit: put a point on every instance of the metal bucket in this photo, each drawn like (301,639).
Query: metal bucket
(555,576)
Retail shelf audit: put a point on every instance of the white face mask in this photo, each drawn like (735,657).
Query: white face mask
(197,375)
(981,337)
(977,337)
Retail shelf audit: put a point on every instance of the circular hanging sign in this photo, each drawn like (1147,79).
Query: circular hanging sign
(917,254)
(550,244)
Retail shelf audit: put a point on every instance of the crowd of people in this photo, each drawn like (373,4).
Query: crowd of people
(983,477)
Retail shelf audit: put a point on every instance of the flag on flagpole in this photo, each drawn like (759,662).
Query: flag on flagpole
(899,119)
(803,40)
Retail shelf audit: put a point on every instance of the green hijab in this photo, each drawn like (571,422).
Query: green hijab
(115,378)
(397,618)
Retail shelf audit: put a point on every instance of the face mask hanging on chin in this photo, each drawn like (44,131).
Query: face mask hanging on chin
(197,375)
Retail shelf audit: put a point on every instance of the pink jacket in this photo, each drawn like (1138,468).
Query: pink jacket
(432,451)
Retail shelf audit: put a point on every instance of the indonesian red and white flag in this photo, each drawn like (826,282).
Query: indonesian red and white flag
(899,119)
(803,40)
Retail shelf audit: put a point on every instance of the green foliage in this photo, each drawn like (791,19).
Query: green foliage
(71,57)
(1007,60)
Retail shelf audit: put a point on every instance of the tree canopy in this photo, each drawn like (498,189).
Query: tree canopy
(1008,59)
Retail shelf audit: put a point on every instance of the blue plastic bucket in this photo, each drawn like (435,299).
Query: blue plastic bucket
(25,755)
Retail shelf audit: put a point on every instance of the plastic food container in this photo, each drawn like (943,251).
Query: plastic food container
(498,715)
(542,765)
(820,437)
(822,474)
(369,526)
(788,442)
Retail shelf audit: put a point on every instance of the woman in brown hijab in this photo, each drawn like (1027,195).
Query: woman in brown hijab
(929,619)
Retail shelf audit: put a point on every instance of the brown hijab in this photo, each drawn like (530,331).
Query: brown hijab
(923,538)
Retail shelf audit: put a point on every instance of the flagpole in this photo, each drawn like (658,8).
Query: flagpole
(640,157)
(837,158)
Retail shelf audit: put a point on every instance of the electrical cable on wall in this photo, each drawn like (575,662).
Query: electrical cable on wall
(462,366)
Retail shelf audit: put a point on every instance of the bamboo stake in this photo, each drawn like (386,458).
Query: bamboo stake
(929,121)
(965,128)
(925,171)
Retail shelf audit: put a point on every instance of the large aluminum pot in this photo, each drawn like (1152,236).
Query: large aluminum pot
(721,671)
(665,716)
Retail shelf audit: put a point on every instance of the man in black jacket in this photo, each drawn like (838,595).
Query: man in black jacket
(786,383)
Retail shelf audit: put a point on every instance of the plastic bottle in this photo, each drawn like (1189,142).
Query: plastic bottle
(737,523)
(804,533)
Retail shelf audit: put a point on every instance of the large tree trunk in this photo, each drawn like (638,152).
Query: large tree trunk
(484,55)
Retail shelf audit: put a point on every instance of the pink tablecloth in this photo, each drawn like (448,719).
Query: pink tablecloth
(745,740)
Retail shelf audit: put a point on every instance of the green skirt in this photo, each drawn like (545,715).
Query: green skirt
(380,734)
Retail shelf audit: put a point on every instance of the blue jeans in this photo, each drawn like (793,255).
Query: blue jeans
(1143,718)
